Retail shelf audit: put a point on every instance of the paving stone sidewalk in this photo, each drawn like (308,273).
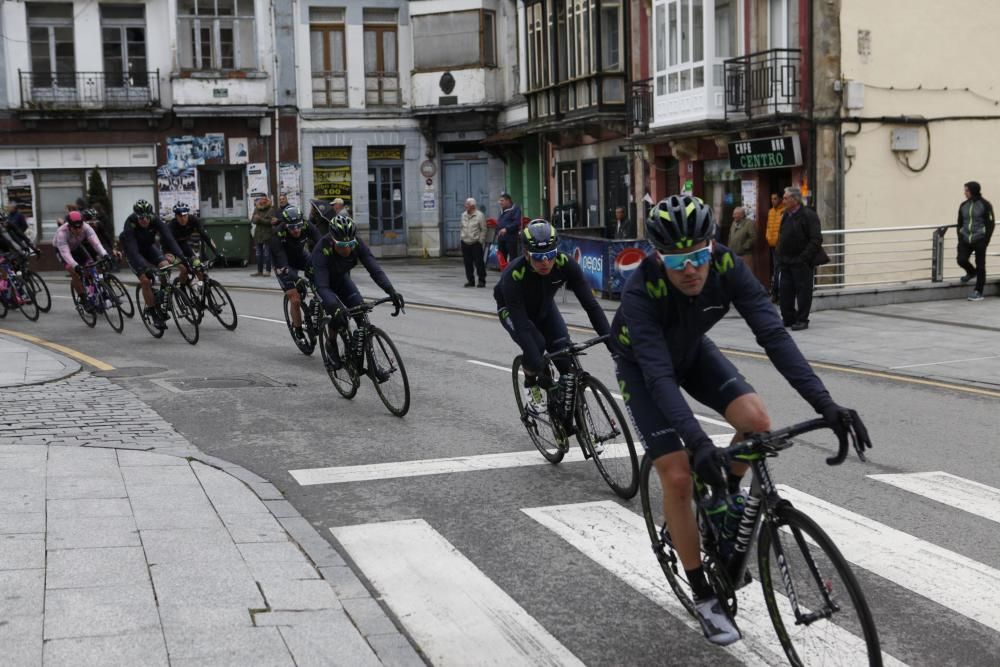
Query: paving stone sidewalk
(122,544)
(27,364)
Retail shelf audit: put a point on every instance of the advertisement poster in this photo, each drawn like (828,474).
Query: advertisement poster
(256,181)
(749,194)
(176,188)
(332,182)
(19,189)
(290,182)
(606,264)
(188,151)
(238,147)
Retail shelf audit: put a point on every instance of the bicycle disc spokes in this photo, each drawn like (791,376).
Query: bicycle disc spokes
(603,429)
(386,370)
(830,607)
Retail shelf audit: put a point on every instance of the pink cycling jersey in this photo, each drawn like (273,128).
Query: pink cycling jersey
(66,242)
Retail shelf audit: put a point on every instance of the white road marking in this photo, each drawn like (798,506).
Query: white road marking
(957,492)
(961,584)
(60,296)
(616,539)
(456,614)
(263,319)
(939,363)
(506,369)
(453,464)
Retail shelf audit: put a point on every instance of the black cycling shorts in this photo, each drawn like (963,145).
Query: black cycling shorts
(712,380)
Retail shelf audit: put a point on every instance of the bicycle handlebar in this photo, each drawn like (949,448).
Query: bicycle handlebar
(775,441)
(368,307)
(576,348)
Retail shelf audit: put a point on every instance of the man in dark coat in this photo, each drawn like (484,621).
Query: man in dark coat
(799,245)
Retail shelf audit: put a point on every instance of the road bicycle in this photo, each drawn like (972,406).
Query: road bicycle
(168,301)
(812,596)
(16,292)
(100,296)
(41,290)
(207,294)
(364,349)
(311,307)
(580,404)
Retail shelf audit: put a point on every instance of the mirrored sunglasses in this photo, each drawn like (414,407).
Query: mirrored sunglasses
(548,255)
(696,258)
(346,244)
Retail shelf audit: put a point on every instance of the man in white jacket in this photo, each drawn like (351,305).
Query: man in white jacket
(473,237)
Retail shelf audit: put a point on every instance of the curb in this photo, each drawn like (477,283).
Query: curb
(71,366)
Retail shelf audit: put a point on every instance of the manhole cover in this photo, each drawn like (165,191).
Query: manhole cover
(248,381)
(130,372)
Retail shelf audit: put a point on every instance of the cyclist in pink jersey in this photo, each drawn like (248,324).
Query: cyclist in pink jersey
(69,244)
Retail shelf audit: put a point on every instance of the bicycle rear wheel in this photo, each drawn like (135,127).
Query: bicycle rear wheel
(42,296)
(184,315)
(651,496)
(89,318)
(122,297)
(387,372)
(540,427)
(345,379)
(307,345)
(828,607)
(604,431)
(29,308)
(221,304)
(112,309)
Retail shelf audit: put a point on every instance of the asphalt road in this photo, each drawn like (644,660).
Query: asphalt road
(293,420)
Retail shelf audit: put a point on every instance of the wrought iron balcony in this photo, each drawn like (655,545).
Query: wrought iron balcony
(640,105)
(91,91)
(766,83)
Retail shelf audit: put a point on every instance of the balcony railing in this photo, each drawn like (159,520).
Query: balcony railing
(329,89)
(763,84)
(581,96)
(640,105)
(89,90)
(382,89)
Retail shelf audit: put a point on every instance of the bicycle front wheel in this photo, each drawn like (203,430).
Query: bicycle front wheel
(812,596)
(112,308)
(604,431)
(539,426)
(386,370)
(345,379)
(306,345)
(184,315)
(29,307)
(221,304)
(122,297)
(41,290)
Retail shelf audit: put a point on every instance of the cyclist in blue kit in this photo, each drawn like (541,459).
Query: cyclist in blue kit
(669,303)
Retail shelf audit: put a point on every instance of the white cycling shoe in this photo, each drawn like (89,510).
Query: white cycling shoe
(715,622)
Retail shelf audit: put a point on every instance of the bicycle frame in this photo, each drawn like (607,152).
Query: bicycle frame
(15,292)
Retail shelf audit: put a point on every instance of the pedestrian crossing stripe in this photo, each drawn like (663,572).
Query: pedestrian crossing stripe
(951,490)
(456,614)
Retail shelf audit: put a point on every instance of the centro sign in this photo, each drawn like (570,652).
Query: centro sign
(765,153)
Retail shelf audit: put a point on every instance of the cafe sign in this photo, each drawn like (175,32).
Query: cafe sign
(765,153)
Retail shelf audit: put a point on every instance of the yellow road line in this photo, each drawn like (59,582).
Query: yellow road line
(68,351)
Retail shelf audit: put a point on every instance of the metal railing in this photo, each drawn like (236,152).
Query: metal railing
(89,90)
(329,89)
(640,105)
(888,255)
(382,89)
(763,83)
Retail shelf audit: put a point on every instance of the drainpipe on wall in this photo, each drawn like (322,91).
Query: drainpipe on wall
(274,93)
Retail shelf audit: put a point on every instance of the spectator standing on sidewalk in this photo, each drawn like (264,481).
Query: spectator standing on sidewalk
(771,234)
(473,237)
(16,218)
(262,231)
(743,236)
(621,226)
(508,227)
(799,243)
(976,224)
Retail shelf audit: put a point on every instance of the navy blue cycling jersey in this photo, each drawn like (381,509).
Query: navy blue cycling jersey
(137,241)
(526,293)
(659,328)
(288,250)
(183,233)
(329,268)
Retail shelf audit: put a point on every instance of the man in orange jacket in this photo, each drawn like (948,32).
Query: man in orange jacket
(773,227)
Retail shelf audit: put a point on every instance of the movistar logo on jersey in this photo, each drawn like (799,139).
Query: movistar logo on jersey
(326,251)
(561,259)
(725,263)
(623,337)
(625,395)
(657,291)
(518,273)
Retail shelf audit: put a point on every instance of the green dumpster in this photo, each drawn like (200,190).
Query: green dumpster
(231,237)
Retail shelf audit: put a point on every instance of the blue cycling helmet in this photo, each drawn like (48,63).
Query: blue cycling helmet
(539,236)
